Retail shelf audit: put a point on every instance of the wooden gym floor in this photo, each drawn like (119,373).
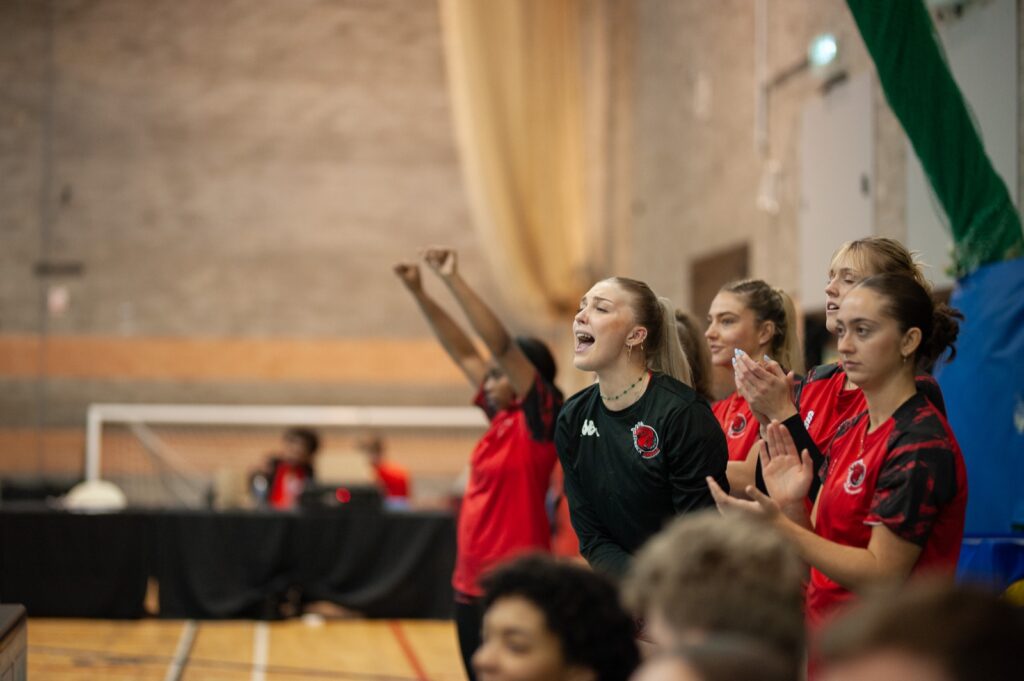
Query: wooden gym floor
(291,650)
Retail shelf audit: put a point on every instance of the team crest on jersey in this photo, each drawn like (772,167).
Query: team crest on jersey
(855,476)
(645,439)
(738,425)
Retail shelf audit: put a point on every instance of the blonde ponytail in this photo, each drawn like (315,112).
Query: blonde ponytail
(668,356)
(791,352)
(662,351)
(773,305)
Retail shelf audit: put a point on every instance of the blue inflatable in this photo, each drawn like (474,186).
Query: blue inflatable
(984,393)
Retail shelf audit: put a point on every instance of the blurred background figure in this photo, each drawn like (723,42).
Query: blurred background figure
(393,478)
(289,471)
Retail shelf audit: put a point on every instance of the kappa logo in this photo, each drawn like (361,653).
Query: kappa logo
(810,417)
(645,439)
(855,476)
(589,428)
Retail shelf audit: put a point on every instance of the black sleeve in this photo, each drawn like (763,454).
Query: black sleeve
(695,448)
(803,440)
(798,391)
(929,387)
(596,544)
(541,407)
(916,481)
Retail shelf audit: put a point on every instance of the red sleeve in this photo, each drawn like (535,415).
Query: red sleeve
(480,400)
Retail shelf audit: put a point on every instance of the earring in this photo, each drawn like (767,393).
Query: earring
(904,359)
(629,353)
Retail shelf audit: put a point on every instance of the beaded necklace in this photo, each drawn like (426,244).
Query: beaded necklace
(623,393)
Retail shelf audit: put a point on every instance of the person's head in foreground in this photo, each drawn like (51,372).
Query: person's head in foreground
(712,575)
(551,621)
(718,658)
(927,631)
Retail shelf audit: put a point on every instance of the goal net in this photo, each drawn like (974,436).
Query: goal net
(196,456)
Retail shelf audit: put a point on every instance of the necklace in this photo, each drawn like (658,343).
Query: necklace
(623,393)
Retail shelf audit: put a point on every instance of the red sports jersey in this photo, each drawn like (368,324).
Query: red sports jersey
(564,542)
(907,475)
(503,512)
(739,425)
(287,482)
(824,402)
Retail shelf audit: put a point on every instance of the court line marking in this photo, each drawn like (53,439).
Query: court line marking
(97,659)
(410,654)
(182,652)
(260,651)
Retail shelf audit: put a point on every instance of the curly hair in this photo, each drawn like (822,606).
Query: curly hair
(581,608)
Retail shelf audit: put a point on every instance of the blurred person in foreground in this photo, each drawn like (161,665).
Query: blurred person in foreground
(546,620)
(708,576)
(927,631)
(718,658)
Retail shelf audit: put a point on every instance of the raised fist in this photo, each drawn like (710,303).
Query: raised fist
(441,260)
(409,273)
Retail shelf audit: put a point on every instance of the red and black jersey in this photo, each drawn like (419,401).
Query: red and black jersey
(823,402)
(503,511)
(739,425)
(907,475)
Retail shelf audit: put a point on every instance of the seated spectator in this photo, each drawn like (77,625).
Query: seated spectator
(289,472)
(708,575)
(552,621)
(927,630)
(392,478)
(719,658)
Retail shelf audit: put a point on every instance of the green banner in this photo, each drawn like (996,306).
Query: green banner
(921,91)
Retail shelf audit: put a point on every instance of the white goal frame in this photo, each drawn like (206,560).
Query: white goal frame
(262,415)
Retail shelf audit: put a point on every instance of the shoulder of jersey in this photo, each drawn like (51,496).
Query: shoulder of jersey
(823,372)
(675,387)
(919,418)
(580,397)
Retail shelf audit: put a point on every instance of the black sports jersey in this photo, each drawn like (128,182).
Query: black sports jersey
(627,472)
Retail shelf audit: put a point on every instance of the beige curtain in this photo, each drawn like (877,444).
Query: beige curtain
(523,118)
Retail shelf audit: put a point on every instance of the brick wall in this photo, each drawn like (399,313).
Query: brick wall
(243,174)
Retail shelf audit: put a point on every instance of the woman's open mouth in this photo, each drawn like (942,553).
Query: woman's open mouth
(583,341)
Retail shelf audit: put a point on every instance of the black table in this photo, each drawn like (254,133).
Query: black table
(226,564)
